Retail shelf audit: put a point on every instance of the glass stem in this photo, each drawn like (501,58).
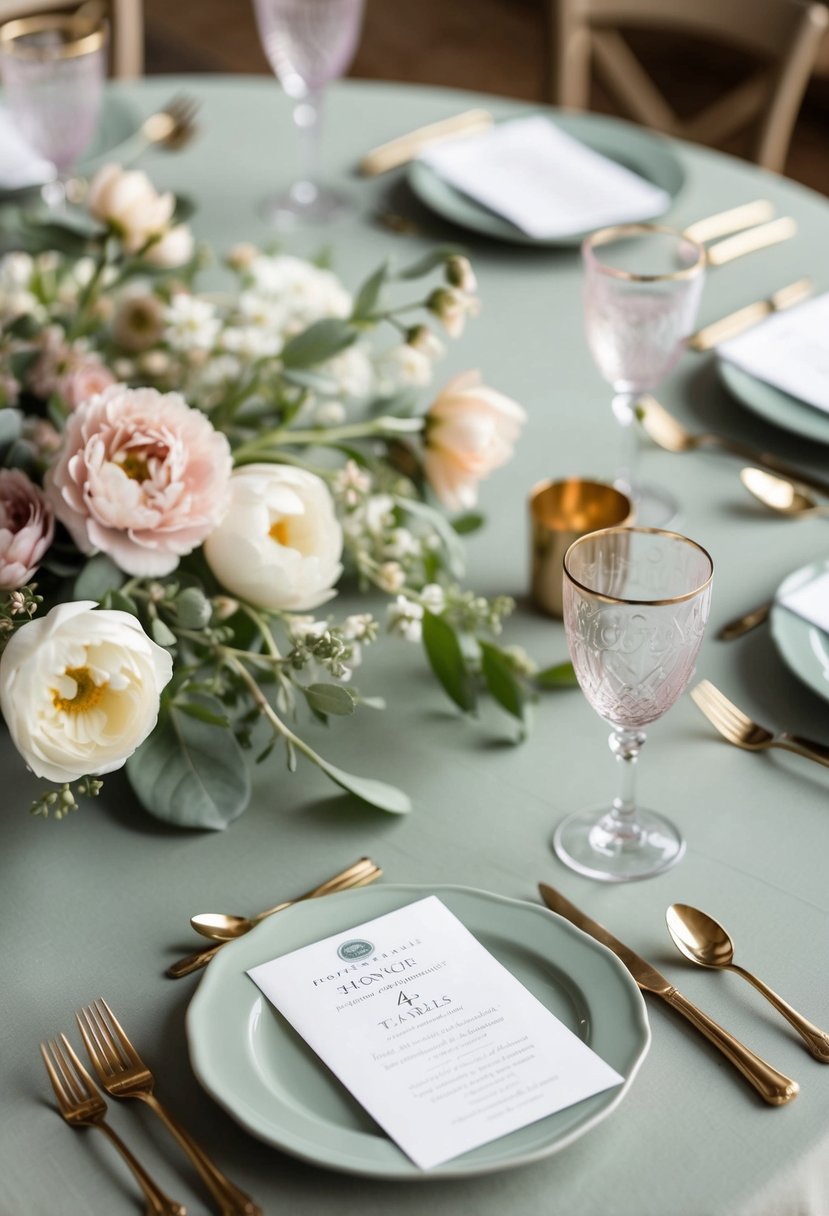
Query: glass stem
(626,746)
(306,117)
(624,410)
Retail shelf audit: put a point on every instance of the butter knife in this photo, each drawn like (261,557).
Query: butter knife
(722,223)
(736,322)
(407,147)
(752,238)
(772,1086)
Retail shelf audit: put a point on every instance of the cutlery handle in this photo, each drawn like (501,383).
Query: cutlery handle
(157,1202)
(745,623)
(772,1086)
(805,747)
(231,1201)
(767,461)
(193,962)
(406,147)
(816,1039)
(751,239)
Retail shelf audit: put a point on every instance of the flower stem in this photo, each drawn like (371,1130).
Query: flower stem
(329,435)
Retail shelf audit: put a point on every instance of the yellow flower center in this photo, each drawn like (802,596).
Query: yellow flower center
(87,692)
(280,532)
(135,467)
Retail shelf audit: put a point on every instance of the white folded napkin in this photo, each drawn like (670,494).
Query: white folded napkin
(544,181)
(20,165)
(789,350)
(810,600)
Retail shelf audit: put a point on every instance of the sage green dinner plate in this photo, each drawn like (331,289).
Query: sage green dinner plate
(641,151)
(773,404)
(258,1068)
(804,648)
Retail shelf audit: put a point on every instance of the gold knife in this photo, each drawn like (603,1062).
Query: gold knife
(407,147)
(752,238)
(772,1086)
(743,318)
(723,223)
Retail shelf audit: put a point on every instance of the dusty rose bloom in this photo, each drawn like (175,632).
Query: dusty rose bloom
(85,377)
(140,476)
(470,430)
(27,526)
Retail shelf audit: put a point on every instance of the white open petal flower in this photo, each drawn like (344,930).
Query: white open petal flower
(279,544)
(80,690)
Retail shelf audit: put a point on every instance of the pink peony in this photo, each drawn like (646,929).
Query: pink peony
(141,477)
(86,377)
(27,525)
(470,430)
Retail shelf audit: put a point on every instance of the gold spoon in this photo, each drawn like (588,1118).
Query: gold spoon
(704,941)
(745,623)
(667,432)
(781,495)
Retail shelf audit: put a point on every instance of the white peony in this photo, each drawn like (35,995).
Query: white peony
(279,544)
(80,689)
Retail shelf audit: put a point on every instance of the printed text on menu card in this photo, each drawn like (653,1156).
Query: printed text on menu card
(433,1036)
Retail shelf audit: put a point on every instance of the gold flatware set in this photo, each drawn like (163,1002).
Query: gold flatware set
(741,730)
(703,941)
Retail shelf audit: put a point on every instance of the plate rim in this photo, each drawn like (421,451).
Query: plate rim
(732,377)
(780,613)
(497,227)
(405,1169)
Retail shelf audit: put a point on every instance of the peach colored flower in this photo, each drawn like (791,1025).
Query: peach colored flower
(470,430)
(140,476)
(27,525)
(127,200)
(85,377)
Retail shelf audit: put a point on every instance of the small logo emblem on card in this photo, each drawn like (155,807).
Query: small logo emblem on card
(355,948)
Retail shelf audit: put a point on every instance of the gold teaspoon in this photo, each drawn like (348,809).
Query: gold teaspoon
(705,942)
(781,495)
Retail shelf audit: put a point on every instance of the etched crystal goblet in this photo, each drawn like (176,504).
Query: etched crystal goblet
(642,286)
(636,602)
(308,43)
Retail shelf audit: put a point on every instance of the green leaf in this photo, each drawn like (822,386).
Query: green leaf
(185,208)
(194,608)
(189,772)
(196,710)
(465,524)
(375,793)
(11,425)
(162,635)
(318,342)
(330,699)
(501,680)
(317,382)
(98,576)
(445,655)
(121,602)
(561,675)
(423,265)
(369,294)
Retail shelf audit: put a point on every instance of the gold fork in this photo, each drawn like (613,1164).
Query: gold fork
(82,1106)
(123,1074)
(742,731)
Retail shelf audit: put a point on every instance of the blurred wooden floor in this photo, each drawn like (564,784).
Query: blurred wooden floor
(495,46)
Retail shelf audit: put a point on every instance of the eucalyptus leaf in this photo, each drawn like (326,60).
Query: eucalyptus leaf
(195,709)
(194,608)
(501,680)
(318,342)
(330,699)
(423,265)
(445,655)
(161,633)
(98,576)
(369,294)
(561,675)
(121,602)
(466,524)
(11,425)
(317,382)
(375,793)
(190,773)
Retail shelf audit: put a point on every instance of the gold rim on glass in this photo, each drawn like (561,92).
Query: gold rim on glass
(615,599)
(605,235)
(74,44)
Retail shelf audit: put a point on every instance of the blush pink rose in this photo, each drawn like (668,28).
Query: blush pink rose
(85,378)
(141,477)
(470,430)
(27,525)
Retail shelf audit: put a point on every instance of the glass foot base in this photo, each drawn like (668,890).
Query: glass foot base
(591,843)
(297,208)
(654,506)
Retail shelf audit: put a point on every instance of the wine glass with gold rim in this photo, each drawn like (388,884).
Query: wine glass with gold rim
(636,602)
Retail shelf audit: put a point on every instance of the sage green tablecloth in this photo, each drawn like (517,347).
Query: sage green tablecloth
(99,903)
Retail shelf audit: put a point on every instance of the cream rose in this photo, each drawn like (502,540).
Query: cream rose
(279,544)
(470,430)
(80,690)
(140,476)
(127,200)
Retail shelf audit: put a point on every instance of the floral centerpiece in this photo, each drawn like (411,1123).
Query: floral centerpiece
(186,478)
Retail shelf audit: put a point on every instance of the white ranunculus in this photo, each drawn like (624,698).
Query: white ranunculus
(80,689)
(279,544)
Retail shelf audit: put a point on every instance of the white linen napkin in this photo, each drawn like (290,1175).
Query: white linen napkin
(20,165)
(789,350)
(810,600)
(544,181)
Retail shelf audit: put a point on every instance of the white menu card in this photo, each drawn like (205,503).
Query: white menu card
(543,180)
(810,600)
(789,350)
(433,1036)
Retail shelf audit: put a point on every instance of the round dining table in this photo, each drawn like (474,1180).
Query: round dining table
(99,903)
